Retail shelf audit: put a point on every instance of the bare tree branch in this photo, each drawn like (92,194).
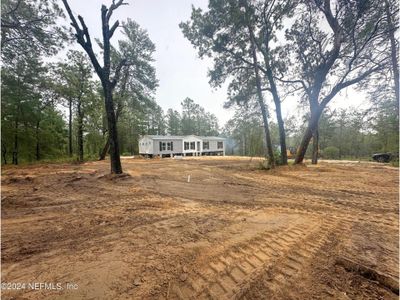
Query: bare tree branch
(117,74)
(113,28)
(113,7)
(340,86)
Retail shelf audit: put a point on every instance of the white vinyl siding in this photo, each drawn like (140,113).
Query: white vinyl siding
(165,145)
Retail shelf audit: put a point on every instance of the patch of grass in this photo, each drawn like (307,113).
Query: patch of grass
(126,154)
(290,162)
(365,158)
(56,160)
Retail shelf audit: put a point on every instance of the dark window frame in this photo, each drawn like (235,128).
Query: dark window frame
(170,146)
(220,145)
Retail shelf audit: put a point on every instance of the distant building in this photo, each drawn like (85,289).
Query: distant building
(189,145)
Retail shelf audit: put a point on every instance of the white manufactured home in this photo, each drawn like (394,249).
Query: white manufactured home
(189,145)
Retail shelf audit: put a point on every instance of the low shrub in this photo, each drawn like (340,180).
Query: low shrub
(330,152)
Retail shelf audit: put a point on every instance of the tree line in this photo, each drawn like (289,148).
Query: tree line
(351,133)
(267,52)
(37,94)
(312,50)
(193,119)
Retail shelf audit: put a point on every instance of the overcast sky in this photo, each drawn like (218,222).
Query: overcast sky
(180,72)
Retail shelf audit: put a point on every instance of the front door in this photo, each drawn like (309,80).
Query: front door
(198,147)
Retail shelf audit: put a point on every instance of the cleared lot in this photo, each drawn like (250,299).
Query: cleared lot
(233,231)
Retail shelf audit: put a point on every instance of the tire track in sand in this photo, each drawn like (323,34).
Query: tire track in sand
(277,281)
(231,274)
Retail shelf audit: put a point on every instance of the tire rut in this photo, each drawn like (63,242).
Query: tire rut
(231,274)
(281,276)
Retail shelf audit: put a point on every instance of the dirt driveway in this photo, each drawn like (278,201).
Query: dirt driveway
(234,231)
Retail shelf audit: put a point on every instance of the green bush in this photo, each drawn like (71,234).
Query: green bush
(264,165)
(395,162)
(331,152)
(277,157)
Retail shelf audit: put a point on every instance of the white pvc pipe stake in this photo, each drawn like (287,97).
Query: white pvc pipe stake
(188,178)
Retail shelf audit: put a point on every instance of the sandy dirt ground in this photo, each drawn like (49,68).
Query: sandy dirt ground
(233,232)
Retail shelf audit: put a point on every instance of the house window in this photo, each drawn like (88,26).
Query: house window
(220,145)
(206,145)
(170,146)
(186,145)
(193,145)
(162,146)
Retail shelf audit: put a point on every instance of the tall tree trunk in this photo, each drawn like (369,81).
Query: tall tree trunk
(305,141)
(244,145)
(271,159)
(83,38)
(70,128)
(106,147)
(282,134)
(15,150)
(315,147)
(395,64)
(80,130)
(278,109)
(341,139)
(4,152)
(105,150)
(115,159)
(37,141)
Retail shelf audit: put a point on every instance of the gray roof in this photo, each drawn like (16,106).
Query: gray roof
(181,137)
(161,137)
(212,138)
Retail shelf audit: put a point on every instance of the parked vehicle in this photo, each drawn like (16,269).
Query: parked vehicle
(384,157)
